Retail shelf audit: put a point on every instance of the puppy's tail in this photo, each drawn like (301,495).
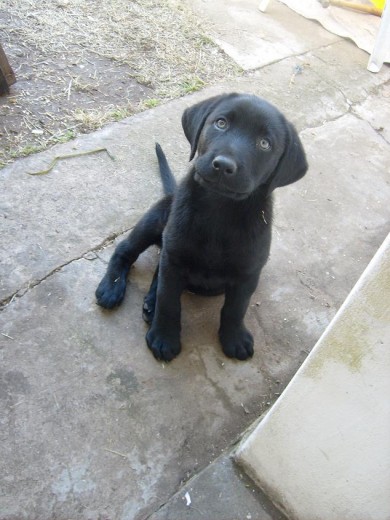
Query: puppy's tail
(168,180)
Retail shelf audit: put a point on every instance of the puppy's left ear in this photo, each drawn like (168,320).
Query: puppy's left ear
(292,165)
(194,118)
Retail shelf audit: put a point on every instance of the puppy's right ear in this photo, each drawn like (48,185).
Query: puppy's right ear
(194,118)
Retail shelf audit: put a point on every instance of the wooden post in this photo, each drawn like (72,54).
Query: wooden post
(7,76)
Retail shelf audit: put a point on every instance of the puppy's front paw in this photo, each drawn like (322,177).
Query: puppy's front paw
(237,343)
(163,347)
(111,291)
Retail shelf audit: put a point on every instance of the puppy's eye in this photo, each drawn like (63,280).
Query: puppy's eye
(221,123)
(264,144)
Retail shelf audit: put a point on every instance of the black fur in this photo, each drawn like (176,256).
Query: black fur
(215,227)
(168,180)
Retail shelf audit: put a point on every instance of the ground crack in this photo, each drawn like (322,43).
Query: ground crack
(296,55)
(376,130)
(19,293)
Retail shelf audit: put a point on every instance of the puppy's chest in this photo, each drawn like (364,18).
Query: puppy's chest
(218,247)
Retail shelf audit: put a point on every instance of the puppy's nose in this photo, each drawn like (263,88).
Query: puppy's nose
(224,165)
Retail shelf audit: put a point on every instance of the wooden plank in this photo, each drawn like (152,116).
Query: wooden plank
(7,76)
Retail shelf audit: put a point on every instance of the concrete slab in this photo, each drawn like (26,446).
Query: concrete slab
(254,39)
(376,110)
(223,491)
(316,450)
(92,426)
(52,219)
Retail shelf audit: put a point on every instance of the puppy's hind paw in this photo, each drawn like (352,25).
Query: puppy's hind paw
(111,291)
(148,309)
(237,343)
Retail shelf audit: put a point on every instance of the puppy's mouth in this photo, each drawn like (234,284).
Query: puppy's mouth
(220,190)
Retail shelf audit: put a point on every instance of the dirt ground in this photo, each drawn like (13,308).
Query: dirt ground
(83,63)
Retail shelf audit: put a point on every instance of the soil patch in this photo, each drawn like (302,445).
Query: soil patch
(83,63)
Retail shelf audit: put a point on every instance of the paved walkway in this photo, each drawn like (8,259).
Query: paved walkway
(92,427)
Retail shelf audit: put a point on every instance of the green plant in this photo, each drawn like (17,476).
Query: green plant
(192,85)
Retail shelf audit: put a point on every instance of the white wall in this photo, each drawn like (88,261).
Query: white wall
(323,450)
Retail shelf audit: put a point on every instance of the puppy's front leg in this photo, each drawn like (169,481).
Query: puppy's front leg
(163,338)
(236,340)
(146,232)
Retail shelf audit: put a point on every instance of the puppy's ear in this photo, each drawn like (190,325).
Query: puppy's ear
(194,118)
(292,165)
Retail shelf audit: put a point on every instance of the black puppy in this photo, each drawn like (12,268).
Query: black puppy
(215,227)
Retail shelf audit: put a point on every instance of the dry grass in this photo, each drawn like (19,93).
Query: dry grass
(83,63)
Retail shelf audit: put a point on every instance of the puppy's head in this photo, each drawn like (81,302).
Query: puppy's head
(243,143)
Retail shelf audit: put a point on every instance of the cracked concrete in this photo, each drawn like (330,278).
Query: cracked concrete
(91,425)
(236,494)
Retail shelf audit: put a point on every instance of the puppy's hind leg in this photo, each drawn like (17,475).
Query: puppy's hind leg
(147,231)
(150,299)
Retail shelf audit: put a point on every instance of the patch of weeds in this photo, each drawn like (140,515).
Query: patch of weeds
(150,103)
(63,137)
(89,119)
(142,80)
(120,113)
(205,40)
(192,85)
(94,118)
(80,86)
(26,150)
